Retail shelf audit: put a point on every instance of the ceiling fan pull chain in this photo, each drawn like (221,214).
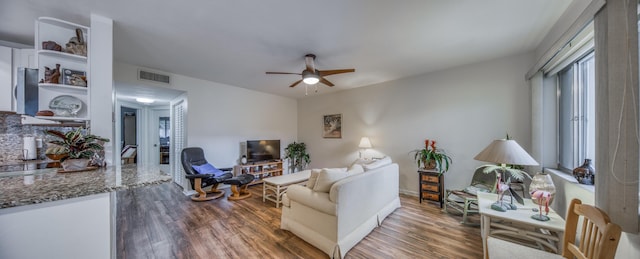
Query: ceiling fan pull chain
(306,89)
(316,88)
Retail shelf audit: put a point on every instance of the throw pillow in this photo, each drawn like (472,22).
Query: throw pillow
(355,169)
(378,163)
(327,177)
(362,162)
(207,169)
(313,177)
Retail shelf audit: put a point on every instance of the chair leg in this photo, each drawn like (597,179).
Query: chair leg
(239,192)
(466,210)
(202,194)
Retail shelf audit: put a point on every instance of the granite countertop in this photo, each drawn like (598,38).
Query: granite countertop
(21,188)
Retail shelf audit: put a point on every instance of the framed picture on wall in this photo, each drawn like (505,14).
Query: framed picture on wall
(332,126)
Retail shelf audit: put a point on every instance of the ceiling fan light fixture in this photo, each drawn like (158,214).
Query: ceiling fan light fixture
(310,78)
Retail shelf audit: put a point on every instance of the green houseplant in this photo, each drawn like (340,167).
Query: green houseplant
(77,146)
(432,158)
(297,155)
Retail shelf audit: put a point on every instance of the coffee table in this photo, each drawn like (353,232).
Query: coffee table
(274,187)
(517,225)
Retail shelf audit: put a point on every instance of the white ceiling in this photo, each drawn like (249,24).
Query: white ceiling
(236,42)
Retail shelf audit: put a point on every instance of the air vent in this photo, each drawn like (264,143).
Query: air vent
(155,77)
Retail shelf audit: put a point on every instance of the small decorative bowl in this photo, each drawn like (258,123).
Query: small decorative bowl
(56,157)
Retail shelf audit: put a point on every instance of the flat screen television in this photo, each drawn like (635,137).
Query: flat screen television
(263,150)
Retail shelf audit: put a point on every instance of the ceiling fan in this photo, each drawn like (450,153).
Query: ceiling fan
(310,75)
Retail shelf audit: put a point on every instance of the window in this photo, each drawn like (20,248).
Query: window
(576,113)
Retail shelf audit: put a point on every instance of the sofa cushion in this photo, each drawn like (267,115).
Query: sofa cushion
(327,177)
(317,200)
(378,163)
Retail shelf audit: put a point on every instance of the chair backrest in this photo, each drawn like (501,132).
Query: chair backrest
(599,237)
(489,180)
(192,156)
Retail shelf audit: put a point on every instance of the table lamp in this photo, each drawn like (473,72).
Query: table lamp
(503,152)
(365,143)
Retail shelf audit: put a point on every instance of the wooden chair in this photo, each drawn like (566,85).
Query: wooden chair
(465,201)
(598,238)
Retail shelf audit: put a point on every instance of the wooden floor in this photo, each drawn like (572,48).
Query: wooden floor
(160,222)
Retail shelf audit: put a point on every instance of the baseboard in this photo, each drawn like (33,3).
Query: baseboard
(410,193)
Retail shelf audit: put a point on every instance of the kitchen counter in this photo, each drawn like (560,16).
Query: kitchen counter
(19,188)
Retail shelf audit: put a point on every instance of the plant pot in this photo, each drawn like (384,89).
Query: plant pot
(56,157)
(429,165)
(75,164)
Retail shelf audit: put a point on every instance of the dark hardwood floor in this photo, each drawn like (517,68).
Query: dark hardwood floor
(160,222)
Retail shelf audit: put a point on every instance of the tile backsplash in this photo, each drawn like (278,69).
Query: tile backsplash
(12,133)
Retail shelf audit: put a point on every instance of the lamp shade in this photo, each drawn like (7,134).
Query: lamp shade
(503,151)
(364,143)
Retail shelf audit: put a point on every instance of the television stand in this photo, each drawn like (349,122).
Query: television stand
(260,170)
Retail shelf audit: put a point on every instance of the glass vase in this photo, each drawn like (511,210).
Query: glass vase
(542,182)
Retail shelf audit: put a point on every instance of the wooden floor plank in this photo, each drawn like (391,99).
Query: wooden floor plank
(160,222)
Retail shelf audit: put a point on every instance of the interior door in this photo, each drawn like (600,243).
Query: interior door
(178,139)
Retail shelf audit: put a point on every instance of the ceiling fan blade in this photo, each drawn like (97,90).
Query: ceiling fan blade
(336,71)
(296,83)
(282,73)
(308,60)
(326,82)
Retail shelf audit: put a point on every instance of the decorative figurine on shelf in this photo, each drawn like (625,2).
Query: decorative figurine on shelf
(51,45)
(543,197)
(78,80)
(77,45)
(51,76)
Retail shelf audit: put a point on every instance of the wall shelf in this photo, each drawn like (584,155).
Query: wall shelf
(60,54)
(64,88)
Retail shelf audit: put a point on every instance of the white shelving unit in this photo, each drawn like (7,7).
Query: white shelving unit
(59,31)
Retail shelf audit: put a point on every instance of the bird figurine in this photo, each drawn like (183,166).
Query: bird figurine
(543,197)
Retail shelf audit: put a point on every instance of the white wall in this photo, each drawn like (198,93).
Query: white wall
(462,108)
(221,116)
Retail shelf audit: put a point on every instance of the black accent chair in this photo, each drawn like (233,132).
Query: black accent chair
(195,156)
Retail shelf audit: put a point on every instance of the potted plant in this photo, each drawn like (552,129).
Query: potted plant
(297,155)
(432,158)
(79,147)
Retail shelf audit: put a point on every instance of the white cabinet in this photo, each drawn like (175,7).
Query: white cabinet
(5,78)
(60,32)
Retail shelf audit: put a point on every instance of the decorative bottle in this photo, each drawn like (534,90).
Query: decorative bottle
(585,174)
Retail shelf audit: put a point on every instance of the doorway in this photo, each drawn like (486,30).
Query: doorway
(129,131)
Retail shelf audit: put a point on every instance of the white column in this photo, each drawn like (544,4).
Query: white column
(101,81)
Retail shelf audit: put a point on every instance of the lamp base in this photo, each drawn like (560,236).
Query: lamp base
(540,217)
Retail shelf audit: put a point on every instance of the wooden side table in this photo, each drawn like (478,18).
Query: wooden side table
(431,186)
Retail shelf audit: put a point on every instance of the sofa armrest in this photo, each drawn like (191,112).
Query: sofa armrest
(316,200)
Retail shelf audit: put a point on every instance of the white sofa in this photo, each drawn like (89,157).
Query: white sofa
(336,221)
